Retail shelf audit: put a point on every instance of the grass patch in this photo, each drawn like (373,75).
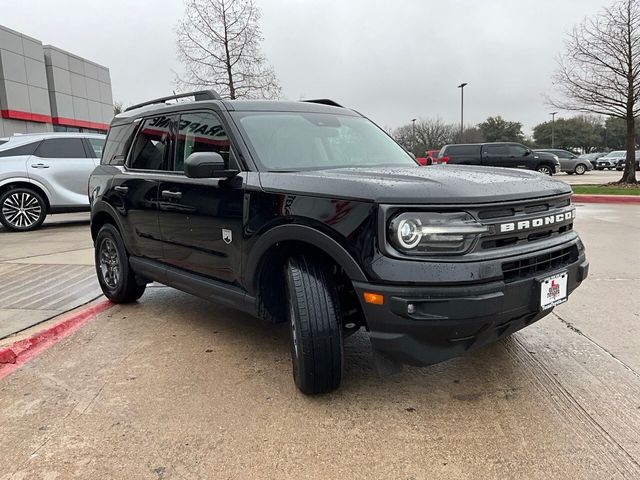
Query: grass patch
(606,189)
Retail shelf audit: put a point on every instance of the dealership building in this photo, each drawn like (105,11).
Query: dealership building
(46,89)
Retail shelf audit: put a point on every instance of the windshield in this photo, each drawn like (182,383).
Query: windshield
(293,141)
(617,153)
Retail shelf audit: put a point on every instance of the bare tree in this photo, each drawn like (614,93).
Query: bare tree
(598,72)
(434,132)
(219,45)
(428,134)
(471,134)
(118,107)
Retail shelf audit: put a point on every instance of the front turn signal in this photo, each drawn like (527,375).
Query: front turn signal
(374,298)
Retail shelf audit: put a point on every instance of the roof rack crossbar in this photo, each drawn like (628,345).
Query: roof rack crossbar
(199,96)
(324,101)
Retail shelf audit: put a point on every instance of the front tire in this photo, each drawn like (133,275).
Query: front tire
(22,209)
(580,169)
(315,322)
(115,276)
(546,169)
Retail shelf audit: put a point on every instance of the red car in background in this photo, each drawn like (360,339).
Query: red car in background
(430,158)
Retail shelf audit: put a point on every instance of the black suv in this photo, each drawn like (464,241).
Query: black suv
(308,213)
(500,154)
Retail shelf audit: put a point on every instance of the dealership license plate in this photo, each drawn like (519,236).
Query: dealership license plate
(553,290)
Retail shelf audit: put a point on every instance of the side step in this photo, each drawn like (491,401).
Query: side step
(203,287)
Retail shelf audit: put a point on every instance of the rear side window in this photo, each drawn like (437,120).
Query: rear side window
(61,148)
(28,149)
(463,150)
(151,147)
(117,144)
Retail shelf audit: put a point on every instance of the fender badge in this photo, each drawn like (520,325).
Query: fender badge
(226,236)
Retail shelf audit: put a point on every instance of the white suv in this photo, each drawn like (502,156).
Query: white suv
(45,173)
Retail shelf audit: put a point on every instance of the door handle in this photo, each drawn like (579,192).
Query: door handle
(39,165)
(170,194)
(121,189)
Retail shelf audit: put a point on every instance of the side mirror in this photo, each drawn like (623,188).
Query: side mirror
(527,152)
(207,165)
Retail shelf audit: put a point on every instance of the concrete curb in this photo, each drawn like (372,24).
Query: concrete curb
(620,199)
(21,351)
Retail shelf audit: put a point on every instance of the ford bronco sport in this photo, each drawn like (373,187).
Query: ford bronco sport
(308,213)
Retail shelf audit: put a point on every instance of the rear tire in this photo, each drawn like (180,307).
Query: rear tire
(22,209)
(580,169)
(117,280)
(315,322)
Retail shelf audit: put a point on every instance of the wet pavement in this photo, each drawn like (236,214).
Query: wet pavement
(176,387)
(594,177)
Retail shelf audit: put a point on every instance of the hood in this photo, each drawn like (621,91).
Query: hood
(440,184)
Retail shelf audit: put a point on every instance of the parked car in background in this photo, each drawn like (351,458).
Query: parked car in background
(430,158)
(622,161)
(570,163)
(610,160)
(592,157)
(45,173)
(559,152)
(500,154)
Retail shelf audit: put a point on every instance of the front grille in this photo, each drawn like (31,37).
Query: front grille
(517,212)
(539,264)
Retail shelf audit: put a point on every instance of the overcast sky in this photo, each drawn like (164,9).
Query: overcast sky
(393,61)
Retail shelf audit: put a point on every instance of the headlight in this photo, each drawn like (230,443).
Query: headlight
(434,233)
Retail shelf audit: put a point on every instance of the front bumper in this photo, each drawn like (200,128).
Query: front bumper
(606,165)
(447,321)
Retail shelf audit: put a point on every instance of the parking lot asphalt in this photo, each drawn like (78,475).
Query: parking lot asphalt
(176,387)
(594,177)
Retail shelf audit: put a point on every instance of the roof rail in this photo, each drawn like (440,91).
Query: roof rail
(324,101)
(198,96)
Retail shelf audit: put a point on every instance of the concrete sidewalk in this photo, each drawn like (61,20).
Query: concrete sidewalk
(45,272)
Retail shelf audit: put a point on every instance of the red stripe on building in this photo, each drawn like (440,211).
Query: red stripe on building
(37,117)
(70,122)
(30,117)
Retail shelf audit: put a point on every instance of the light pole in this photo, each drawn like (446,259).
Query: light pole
(413,140)
(553,129)
(461,87)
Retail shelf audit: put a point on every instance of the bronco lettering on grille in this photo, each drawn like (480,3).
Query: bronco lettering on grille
(537,222)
